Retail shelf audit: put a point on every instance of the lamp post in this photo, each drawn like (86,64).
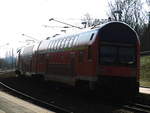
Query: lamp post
(149,18)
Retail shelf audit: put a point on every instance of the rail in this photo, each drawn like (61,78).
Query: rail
(144,53)
(138,108)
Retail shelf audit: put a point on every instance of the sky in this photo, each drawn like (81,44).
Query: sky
(29,17)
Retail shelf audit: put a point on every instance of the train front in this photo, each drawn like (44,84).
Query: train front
(119,58)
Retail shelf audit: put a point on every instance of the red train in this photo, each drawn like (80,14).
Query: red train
(108,55)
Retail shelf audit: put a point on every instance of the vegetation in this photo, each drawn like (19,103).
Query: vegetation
(145,71)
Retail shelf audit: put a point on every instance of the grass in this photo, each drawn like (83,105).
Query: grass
(145,71)
(7,75)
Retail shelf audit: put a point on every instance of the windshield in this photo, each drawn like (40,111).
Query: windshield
(117,55)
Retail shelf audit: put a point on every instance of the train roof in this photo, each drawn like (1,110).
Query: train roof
(118,32)
(68,41)
(111,31)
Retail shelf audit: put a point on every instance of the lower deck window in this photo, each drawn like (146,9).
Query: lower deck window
(118,55)
(81,56)
(89,53)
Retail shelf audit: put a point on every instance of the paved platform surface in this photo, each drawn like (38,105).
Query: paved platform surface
(11,104)
(145,90)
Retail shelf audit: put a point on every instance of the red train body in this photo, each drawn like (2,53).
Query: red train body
(108,55)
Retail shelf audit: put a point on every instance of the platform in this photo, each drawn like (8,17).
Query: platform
(11,104)
(145,90)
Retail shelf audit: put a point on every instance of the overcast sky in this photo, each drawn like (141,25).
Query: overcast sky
(27,16)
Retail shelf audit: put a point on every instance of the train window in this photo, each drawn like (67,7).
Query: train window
(50,46)
(60,44)
(53,45)
(81,54)
(117,55)
(75,41)
(67,42)
(57,45)
(89,53)
(127,55)
(92,36)
(63,43)
(70,43)
(108,54)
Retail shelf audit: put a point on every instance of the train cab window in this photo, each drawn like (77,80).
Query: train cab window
(108,54)
(118,55)
(127,55)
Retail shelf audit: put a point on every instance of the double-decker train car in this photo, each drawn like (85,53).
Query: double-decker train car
(108,55)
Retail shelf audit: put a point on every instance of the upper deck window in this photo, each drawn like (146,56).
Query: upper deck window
(58,45)
(67,42)
(49,45)
(62,43)
(71,42)
(92,36)
(52,46)
(75,41)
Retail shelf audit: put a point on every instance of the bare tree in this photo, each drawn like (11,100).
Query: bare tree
(88,21)
(128,11)
(148,2)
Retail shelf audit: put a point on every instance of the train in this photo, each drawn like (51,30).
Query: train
(106,55)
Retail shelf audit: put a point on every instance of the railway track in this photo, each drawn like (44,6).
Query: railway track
(144,53)
(100,107)
(137,108)
(42,103)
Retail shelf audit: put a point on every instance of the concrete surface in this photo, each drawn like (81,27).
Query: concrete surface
(11,104)
(145,90)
